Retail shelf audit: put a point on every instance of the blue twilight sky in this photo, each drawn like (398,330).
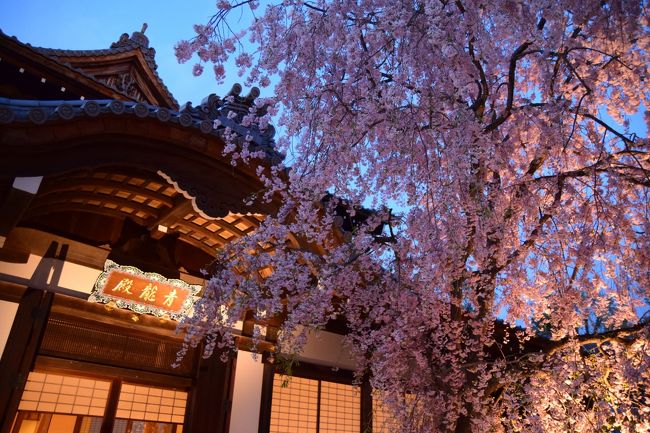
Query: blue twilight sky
(91,24)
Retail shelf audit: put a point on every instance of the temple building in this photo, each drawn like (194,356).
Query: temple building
(113,198)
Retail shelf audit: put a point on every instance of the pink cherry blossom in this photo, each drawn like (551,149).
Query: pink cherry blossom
(219,72)
(197,69)
(500,281)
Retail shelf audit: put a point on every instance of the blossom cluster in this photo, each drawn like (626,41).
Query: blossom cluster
(500,282)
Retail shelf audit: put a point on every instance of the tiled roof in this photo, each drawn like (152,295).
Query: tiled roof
(125,44)
(63,64)
(215,111)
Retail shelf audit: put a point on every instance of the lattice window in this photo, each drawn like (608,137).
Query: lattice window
(64,394)
(340,408)
(151,404)
(95,342)
(56,403)
(383,420)
(130,426)
(295,406)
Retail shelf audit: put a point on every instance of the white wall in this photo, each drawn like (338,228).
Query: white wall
(247,394)
(56,274)
(327,348)
(52,274)
(7,314)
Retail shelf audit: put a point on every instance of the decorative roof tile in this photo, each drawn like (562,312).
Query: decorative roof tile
(224,113)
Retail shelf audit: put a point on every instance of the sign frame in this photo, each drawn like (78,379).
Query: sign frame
(102,294)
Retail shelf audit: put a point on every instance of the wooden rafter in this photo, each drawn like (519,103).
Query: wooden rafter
(80,207)
(228,226)
(66,185)
(212,251)
(70,197)
(202,231)
(179,209)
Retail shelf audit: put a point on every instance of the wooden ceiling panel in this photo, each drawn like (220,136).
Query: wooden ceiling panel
(122,189)
(93,199)
(82,208)
(124,193)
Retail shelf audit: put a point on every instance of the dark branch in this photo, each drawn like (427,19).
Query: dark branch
(518,54)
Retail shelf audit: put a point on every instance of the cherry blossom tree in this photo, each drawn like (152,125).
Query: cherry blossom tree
(465,189)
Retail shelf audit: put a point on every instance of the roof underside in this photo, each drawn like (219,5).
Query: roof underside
(144,198)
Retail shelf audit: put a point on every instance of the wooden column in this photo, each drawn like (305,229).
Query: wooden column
(267,397)
(211,398)
(111,407)
(366,406)
(20,352)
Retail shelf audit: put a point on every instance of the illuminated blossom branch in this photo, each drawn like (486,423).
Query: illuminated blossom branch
(506,288)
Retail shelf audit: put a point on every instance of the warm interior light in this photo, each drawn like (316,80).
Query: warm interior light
(28,426)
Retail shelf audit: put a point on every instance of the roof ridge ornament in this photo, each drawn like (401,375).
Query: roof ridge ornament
(212,107)
(137,39)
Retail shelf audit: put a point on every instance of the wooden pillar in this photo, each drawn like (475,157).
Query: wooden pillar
(211,398)
(366,406)
(21,349)
(267,397)
(111,407)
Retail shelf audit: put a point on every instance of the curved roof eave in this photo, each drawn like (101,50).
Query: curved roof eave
(184,146)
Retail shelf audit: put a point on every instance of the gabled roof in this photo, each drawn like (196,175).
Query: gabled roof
(127,68)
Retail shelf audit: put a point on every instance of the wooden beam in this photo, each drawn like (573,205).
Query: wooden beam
(179,209)
(366,406)
(89,369)
(251,220)
(267,398)
(205,232)
(212,251)
(111,407)
(228,226)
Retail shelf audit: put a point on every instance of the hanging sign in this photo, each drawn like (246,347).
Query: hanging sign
(144,292)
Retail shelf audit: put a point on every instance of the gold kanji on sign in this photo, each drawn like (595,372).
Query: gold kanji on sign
(169,298)
(124,286)
(144,292)
(149,293)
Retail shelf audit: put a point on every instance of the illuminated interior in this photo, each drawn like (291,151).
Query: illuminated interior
(301,405)
(55,403)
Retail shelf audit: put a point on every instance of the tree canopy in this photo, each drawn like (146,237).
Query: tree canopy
(466,190)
